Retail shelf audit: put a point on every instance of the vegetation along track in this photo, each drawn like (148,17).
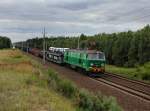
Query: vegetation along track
(137,88)
(133,87)
(128,101)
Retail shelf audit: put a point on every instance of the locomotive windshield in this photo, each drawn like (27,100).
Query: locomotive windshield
(96,56)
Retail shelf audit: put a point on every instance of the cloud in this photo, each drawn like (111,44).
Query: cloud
(19,18)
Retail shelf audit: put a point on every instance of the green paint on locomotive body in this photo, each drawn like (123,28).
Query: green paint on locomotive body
(81,58)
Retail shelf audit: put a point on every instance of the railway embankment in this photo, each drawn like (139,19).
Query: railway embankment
(129,101)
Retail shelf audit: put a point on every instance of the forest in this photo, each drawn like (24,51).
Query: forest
(126,49)
(5,42)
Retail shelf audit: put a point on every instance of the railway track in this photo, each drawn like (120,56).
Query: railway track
(125,78)
(134,87)
(129,100)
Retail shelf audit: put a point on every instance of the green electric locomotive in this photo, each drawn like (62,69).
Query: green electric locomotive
(91,61)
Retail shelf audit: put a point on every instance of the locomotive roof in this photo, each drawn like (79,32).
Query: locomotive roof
(84,51)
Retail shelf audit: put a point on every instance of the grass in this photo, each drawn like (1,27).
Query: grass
(12,56)
(138,73)
(23,87)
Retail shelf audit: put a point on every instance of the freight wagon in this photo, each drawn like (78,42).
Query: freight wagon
(90,61)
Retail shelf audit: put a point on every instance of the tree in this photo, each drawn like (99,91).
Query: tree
(5,42)
(121,49)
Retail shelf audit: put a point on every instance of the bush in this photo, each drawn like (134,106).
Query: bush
(143,72)
(145,75)
(92,102)
(85,100)
(53,76)
(53,79)
(66,87)
(110,104)
(5,42)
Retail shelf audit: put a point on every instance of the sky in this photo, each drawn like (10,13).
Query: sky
(24,19)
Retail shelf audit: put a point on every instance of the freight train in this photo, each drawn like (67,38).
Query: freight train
(90,61)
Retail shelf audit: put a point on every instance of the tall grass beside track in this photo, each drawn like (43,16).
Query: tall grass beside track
(25,85)
(138,73)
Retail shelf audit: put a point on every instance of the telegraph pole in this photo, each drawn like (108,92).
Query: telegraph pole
(44,45)
(27,47)
(79,42)
(22,46)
